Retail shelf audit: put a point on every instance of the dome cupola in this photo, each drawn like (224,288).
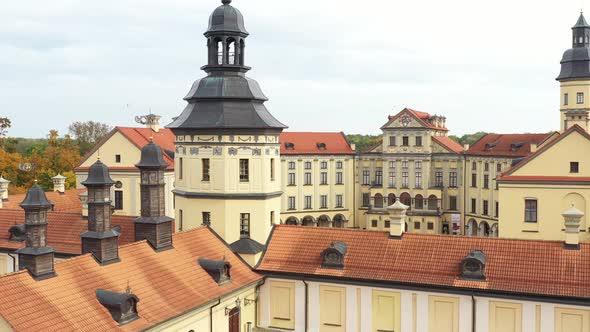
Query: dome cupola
(575,63)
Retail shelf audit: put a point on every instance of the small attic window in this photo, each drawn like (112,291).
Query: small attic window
(333,257)
(490,146)
(122,306)
(289,146)
(17,233)
(473,267)
(321,146)
(516,146)
(218,270)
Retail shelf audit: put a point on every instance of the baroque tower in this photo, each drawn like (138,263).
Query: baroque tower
(227,157)
(574,78)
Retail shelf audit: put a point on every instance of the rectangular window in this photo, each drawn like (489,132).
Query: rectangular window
(245,225)
(339,201)
(366,199)
(373,223)
(392,164)
(307,181)
(498,167)
(117,158)
(339,178)
(391,179)
(430,226)
(530,210)
(416,225)
(418,140)
(574,167)
(438,179)
(391,140)
(565,98)
(405,182)
(180,168)
(307,202)
(405,164)
(474,180)
(379,177)
(386,309)
(308,165)
(474,166)
(486,181)
(205,170)
(580,97)
(453,203)
(338,165)
(473,205)
(485,208)
(272,169)
(323,201)
(418,164)
(366,177)
(282,304)
(180,220)
(453,179)
(324,165)
(291,179)
(324,178)
(291,202)
(387,224)
(291,165)
(272,217)
(244,170)
(418,176)
(486,167)
(405,141)
(118,200)
(497,209)
(206,218)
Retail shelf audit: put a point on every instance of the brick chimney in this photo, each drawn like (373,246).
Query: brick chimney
(100,239)
(153,225)
(397,219)
(572,218)
(4,188)
(36,256)
(59,183)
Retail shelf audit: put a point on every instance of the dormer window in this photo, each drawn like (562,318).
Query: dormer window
(17,233)
(122,306)
(516,146)
(321,146)
(289,146)
(218,270)
(490,146)
(473,266)
(333,257)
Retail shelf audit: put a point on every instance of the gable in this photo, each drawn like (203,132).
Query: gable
(117,144)
(405,116)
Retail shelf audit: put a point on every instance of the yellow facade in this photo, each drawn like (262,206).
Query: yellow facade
(505,317)
(282,304)
(572,320)
(443,314)
(386,311)
(572,110)
(332,309)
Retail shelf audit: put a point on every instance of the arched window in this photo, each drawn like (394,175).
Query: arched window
(324,221)
(432,202)
(292,221)
(391,199)
(419,202)
(308,221)
(405,199)
(471,228)
(484,229)
(231,52)
(339,221)
(378,201)
(219,51)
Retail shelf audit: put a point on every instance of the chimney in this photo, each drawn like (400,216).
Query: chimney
(84,199)
(36,256)
(4,188)
(353,146)
(465,147)
(533,147)
(153,225)
(100,239)
(572,217)
(59,183)
(397,216)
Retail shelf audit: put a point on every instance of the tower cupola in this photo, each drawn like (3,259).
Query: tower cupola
(575,63)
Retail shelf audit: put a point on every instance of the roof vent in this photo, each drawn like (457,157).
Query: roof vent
(122,306)
(17,233)
(473,267)
(218,270)
(333,257)
(321,146)
(289,146)
(516,146)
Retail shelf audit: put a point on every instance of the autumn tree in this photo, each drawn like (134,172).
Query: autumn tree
(88,133)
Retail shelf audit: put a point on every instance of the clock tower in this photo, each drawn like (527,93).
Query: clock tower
(227,145)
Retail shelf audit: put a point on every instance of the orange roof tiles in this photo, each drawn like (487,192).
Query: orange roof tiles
(448,143)
(63,230)
(307,143)
(422,117)
(509,145)
(168,283)
(66,202)
(541,268)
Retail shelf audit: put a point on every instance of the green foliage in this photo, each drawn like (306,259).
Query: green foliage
(468,138)
(363,142)
(88,133)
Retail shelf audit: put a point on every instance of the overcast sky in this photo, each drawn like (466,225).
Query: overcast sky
(325,65)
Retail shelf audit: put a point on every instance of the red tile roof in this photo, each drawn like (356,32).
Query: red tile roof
(66,202)
(307,143)
(533,178)
(509,145)
(513,266)
(448,143)
(63,230)
(168,284)
(421,117)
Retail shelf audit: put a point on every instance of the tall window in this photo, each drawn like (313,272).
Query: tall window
(339,179)
(473,205)
(205,170)
(291,165)
(206,218)
(565,98)
(117,158)
(486,167)
(308,165)
(272,217)
(391,140)
(272,169)
(392,179)
(418,164)
(366,177)
(418,140)
(180,220)
(405,141)
(405,182)
(485,208)
(338,201)
(307,180)
(486,181)
(580,97)
(291,202)
(474,180)
(324,165)
(418,180)
(474,166)
(379,176)
(180,168)
(338,165)
(324,178)
(392,164)
(323,201)
(497,209)
(291,179)
(244,170)
(574,167)
(404,164)
(245,225)
(498,167)
(366,199)
(452,202)
(530,210)
(118,200)
(307,202)
(453,179)
(438,179)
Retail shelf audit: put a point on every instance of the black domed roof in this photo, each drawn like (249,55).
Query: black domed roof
(98,174)
(226,18)
(151,157)
(36,198)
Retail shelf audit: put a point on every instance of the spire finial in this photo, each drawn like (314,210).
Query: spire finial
(226,2)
